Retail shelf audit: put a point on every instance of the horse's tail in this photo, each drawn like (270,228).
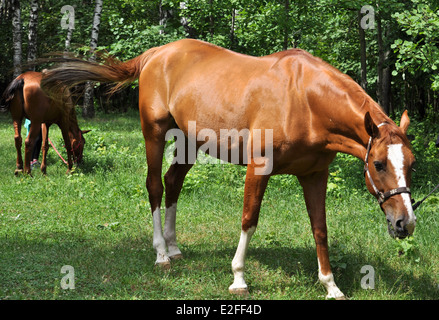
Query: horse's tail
(74,71)
(16,86)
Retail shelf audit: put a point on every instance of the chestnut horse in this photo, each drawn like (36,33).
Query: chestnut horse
(24,98)
(311,109)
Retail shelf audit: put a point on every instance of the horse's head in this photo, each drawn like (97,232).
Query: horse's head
(78,142)
(388,167)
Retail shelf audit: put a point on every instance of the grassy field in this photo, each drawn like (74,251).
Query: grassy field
(98,221)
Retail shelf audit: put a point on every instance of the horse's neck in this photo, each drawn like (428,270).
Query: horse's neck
(351,136)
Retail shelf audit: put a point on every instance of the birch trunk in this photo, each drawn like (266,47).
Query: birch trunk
(363,81)
(32,36)
(88,110)
(16,36)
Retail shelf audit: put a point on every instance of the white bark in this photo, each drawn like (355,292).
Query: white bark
(16,37)
(32,36)
(88,108)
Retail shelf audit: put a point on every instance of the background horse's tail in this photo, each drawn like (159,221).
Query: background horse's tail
(74,71)
(15,86)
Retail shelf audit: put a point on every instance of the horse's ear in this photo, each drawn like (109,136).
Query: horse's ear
(405,121)
(85,131)
(370,126)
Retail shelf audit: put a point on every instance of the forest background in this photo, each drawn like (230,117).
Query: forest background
(390,47)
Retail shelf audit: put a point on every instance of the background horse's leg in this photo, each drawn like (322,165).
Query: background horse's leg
(29,144)
(255,186)
(16,109)
(173,183)
(314,188)
(45,146)
(18,143)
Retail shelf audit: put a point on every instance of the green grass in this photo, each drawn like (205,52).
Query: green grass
(98,220)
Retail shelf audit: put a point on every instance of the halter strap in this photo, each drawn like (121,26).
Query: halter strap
(382,196)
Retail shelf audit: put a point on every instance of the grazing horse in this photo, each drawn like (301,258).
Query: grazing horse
(308,110)
(24,98)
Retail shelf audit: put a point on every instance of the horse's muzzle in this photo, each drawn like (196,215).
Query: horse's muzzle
(400,227)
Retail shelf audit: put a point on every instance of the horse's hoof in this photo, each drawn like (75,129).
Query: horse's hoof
(341,298)
(178,256)
(239,291)
(18,171)
(166,265)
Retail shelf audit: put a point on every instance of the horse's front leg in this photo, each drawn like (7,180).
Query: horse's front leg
(255,186)
(29,145)
(18,143)
(45,146)
(314,188)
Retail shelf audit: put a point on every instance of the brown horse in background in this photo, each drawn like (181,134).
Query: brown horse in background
(24,98)
(311,110)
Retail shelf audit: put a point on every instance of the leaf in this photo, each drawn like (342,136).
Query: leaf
(113,226)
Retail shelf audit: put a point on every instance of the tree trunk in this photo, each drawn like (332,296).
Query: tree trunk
(380,64)
(68,38)
(286,23)
(165,14)
(211,21)
(88,110)
(387,84)
(232,29)
(191,32)
(363,81)
(16,37)
(3,9)
(33,22)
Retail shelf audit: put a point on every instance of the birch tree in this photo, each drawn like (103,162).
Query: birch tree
(88,110)
(68,22)
(32,35)
(16,36)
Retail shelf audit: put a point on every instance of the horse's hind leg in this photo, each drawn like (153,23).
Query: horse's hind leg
(173,183)
(154,156)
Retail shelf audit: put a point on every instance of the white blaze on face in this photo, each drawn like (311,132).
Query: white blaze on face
(396,158)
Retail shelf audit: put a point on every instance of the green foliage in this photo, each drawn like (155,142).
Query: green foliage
(408,248)
(418,51)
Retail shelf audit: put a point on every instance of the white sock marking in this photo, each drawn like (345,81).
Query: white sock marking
(158,240)
(239,259)
(329,283)
(169,230)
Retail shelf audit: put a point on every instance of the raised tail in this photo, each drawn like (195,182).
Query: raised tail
(16,86)
(74,71)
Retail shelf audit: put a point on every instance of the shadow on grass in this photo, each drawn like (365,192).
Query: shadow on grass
(109,268)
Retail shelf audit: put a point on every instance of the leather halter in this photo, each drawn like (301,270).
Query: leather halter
(382,196)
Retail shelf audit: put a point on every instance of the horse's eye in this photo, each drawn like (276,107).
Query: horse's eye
(378,166)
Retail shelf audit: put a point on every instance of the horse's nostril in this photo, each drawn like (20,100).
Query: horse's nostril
(400,225)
